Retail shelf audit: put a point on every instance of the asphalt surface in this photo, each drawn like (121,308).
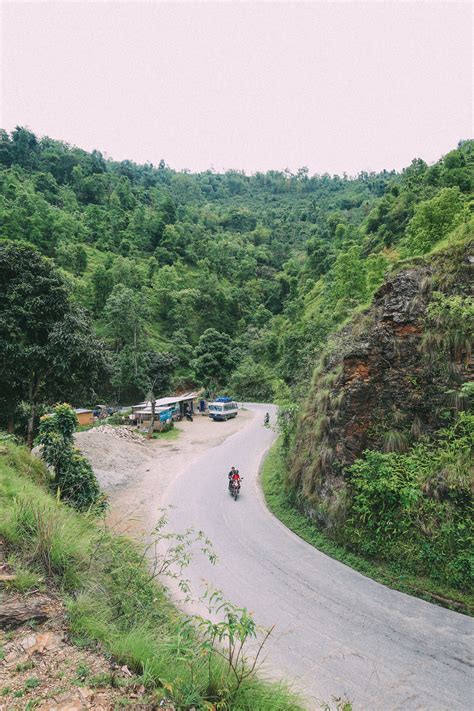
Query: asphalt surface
(337,633)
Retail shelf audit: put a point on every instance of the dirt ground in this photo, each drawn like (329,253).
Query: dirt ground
(135,472)
(42,669)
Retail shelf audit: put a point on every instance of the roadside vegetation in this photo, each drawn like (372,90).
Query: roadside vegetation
(72,477)
(171,433)
(394,571)
(116,603)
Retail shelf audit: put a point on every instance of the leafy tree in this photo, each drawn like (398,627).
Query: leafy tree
(47,348)
(215,358)
(252,381)
(158,369)
(72,257)
(168,211)
(25,147)
(124,325)
(125,271)
(433,220)
(318,256)
(124,318)
(102,285)
(240,220)
(349,275)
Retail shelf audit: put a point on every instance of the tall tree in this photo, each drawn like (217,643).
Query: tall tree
(158,369)
(47,349)
(215,359)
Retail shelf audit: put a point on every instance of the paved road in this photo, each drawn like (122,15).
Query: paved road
(337,632)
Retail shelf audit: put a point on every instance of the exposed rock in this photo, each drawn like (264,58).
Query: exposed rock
(382,370)
(65,704)
(40,642)
(376,378)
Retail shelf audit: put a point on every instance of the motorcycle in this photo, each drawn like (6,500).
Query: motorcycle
(189,416)
(266,420)
(234,487)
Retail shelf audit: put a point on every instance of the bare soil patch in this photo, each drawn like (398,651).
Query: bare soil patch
(42,669)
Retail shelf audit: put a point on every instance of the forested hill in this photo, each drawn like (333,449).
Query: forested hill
(241,278)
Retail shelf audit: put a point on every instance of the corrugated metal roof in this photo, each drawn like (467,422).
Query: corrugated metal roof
(80,410)
(168,400)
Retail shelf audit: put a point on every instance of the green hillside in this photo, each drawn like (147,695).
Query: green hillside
(275,261)
(346,300)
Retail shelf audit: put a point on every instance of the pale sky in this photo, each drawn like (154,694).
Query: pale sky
(335,86)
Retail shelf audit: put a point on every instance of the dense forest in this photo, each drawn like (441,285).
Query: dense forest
(345,300)
(233,282)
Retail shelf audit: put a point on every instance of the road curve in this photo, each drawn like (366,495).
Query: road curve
(337,632)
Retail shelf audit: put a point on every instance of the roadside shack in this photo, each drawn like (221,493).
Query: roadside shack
(84,416)
(142,418)
(170,408)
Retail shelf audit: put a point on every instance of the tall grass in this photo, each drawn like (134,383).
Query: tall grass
(114,602)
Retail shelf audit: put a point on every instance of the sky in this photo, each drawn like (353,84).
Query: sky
(334,86)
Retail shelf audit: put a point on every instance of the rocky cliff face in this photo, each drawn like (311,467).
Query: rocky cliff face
(379,386)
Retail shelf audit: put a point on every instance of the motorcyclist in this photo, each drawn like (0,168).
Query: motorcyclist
(233,470)
(266,420)
(234,476)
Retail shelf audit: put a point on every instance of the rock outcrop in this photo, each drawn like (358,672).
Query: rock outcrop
(378,387)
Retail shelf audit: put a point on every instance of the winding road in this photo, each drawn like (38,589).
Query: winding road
(337,632)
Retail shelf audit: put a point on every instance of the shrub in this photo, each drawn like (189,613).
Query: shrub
(74,477)
(78,484)
(117,419)
(415,507)
(450,327)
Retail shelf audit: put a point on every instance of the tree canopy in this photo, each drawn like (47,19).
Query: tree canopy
(47,348)
(149,259)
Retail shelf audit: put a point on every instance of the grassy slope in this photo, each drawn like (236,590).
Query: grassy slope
(273,478)
(112,601)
